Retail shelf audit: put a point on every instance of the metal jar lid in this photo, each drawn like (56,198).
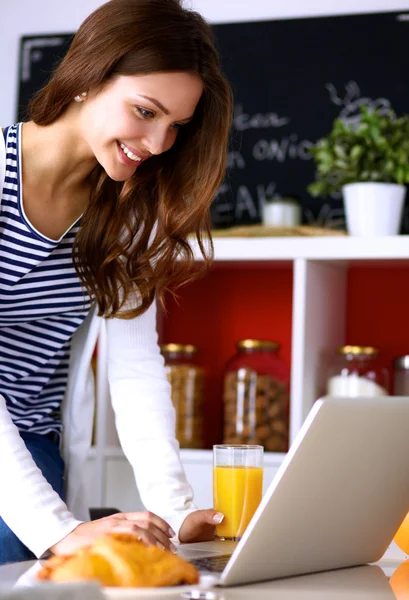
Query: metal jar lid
(358,350)
(401,362)
(177,348)
(249,344)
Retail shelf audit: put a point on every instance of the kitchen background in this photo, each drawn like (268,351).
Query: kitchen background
(311,297)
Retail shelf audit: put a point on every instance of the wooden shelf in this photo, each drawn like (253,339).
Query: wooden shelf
(313,248)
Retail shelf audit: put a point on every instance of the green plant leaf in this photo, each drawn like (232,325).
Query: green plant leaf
(389,166)
(356,152)
(400,175)
(315,189)
(402,157)
(373,131)
(339,151)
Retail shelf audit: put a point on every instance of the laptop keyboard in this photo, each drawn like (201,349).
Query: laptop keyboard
(214,564)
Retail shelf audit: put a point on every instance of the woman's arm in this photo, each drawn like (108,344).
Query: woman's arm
(37,515)
(145,418)
(28,503)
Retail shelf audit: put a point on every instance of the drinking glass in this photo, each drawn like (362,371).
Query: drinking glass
(237,486)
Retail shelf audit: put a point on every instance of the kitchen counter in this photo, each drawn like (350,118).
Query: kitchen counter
(368,582)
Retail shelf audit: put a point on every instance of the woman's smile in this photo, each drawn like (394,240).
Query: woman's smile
(127,156)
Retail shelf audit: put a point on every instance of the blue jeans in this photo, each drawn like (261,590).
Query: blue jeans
(46,455)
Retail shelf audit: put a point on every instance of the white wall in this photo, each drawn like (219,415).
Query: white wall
(26,17)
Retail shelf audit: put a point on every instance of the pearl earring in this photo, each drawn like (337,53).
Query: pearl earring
(80,97)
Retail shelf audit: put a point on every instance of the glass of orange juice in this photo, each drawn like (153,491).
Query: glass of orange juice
(237,486)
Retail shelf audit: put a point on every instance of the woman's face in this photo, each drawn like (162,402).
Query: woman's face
(134,117)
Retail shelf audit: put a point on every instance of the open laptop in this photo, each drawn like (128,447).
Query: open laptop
(336,501)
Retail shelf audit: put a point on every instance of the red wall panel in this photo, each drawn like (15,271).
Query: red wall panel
(227,305)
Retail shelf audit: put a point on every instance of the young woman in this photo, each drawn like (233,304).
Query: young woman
(119,163)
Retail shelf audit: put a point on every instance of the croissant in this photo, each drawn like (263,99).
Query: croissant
(119,560)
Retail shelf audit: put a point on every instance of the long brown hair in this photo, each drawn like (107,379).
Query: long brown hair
(134,236)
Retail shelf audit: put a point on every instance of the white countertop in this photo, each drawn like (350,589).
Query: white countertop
(369,582)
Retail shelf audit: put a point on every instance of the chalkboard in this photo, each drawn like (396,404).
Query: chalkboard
(38,56)
(290,79)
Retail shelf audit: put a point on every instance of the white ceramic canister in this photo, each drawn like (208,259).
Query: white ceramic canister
(281,212)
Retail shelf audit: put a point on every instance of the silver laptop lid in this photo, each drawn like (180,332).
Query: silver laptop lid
(338,497)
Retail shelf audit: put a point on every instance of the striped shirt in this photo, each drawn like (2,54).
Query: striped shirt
(42,304)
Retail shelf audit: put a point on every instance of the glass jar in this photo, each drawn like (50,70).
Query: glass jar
(256,396)
(355,372)
(401,376)
(186,378)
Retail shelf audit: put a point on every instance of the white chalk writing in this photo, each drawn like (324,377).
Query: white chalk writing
(243,121)
(352,102)
(281,150)
(328,216)
(242,202)
(235,159)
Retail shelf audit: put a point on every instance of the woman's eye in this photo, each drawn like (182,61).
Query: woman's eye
(144,112)
(178,126)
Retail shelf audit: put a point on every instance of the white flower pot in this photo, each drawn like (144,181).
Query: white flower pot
(373,209)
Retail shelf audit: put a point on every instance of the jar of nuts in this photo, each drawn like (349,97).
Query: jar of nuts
(256,396)
(186,378)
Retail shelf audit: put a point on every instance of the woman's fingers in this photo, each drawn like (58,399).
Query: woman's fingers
(146,526)
(150,537)
(148,519)
(149,527)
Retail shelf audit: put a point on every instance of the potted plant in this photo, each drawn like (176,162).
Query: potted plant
(369,162)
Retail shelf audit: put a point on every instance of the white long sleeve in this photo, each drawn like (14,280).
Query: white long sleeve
(145,418)
(28,503)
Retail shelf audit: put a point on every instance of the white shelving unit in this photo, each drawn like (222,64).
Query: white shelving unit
(320,267)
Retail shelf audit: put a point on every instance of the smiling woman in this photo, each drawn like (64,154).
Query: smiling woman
(118,165)
(126,50)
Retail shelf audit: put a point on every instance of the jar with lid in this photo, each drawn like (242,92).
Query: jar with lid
(355,372)
(186,378)
(401,376)
(256,396)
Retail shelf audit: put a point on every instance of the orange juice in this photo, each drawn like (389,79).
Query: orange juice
(237,493)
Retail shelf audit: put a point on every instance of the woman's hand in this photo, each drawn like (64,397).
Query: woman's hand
(199,526)
(145,526)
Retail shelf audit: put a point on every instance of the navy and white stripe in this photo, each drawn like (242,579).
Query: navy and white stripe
(42,303)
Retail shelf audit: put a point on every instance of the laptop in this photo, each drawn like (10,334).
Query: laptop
(336,501)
